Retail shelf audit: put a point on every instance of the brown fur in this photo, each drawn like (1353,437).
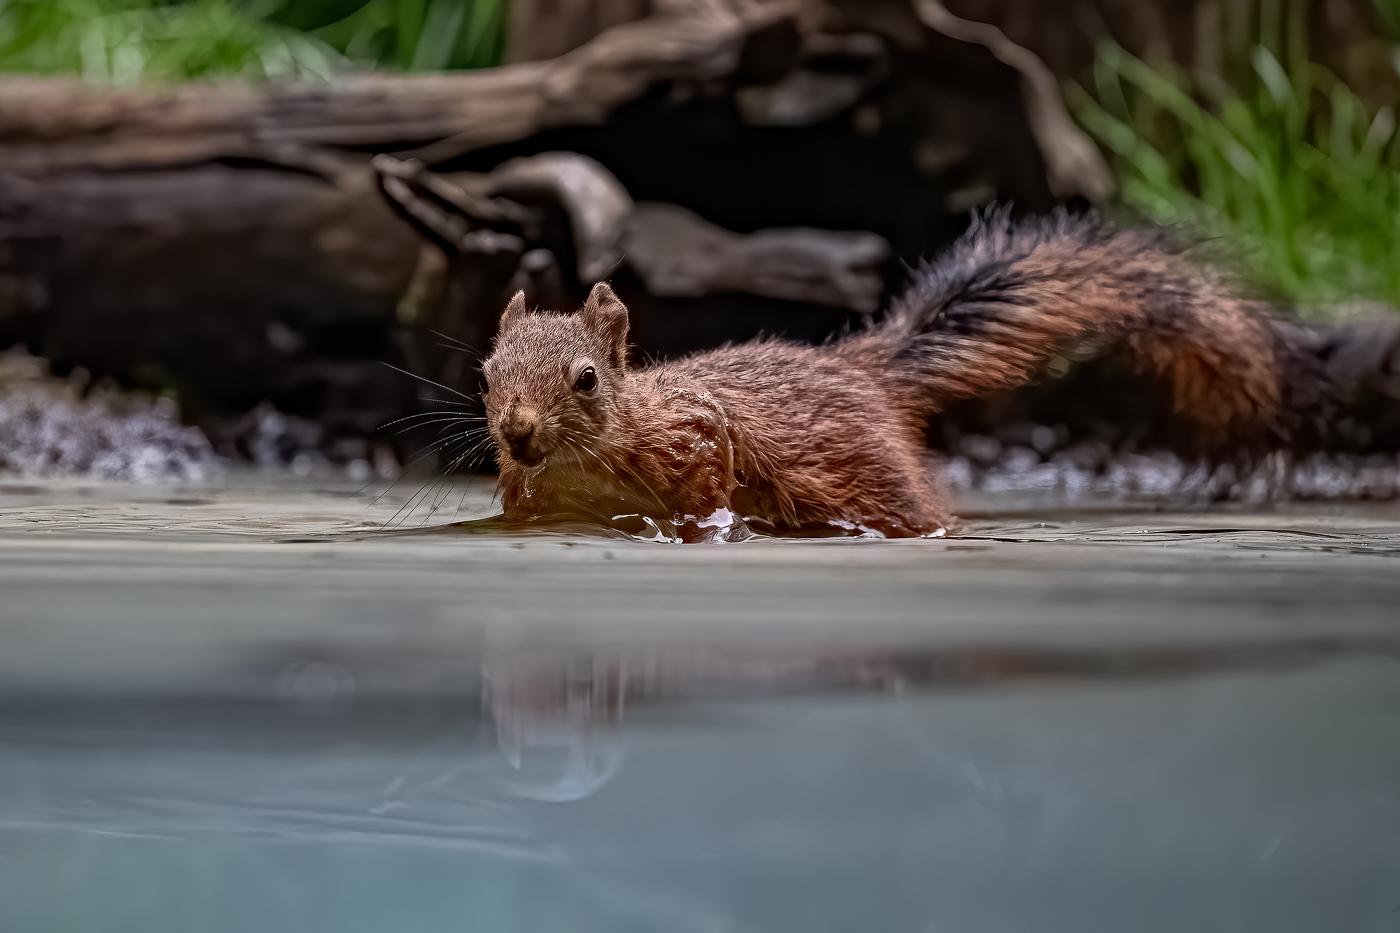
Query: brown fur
(795,435)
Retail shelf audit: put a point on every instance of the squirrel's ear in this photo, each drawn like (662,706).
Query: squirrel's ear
(514,312)
(606,315)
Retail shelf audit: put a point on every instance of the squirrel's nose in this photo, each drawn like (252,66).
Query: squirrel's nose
(518,438)
(519,435)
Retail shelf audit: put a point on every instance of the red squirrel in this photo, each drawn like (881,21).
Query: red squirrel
(794,436)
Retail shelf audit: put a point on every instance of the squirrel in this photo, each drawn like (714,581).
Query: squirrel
(795,436)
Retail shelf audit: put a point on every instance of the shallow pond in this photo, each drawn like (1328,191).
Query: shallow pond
(252,708)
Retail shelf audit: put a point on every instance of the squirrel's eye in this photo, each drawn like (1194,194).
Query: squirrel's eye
(587,380)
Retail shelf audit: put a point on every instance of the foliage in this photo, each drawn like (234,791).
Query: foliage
(128,40)
(1283,158)
(416,35)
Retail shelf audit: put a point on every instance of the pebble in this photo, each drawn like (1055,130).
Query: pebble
(48,433)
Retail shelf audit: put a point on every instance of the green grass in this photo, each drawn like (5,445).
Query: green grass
(122,41)
(1283,159)
(1389,12)
(413,35)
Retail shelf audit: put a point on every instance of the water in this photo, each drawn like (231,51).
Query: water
(252,709)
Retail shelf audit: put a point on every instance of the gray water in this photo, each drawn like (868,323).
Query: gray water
(252,709)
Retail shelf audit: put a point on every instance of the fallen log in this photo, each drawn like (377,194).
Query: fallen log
(678,254)
(57,124)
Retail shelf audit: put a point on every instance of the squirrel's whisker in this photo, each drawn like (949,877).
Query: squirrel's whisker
(437,385)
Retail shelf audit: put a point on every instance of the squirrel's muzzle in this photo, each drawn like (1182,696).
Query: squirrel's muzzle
(519,430)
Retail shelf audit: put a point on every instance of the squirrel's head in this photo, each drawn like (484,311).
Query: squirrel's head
(552,379)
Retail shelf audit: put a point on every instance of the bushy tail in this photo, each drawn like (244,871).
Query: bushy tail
(1009,299)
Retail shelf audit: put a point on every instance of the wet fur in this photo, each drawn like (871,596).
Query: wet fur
(795,435)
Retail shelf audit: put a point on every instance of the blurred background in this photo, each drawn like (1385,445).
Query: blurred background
(227,214)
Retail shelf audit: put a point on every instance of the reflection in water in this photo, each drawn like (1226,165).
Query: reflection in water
(550,692)
(558,722)
(720,787)
(558,716)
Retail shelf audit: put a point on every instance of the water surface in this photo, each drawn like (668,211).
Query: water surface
(252,708)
